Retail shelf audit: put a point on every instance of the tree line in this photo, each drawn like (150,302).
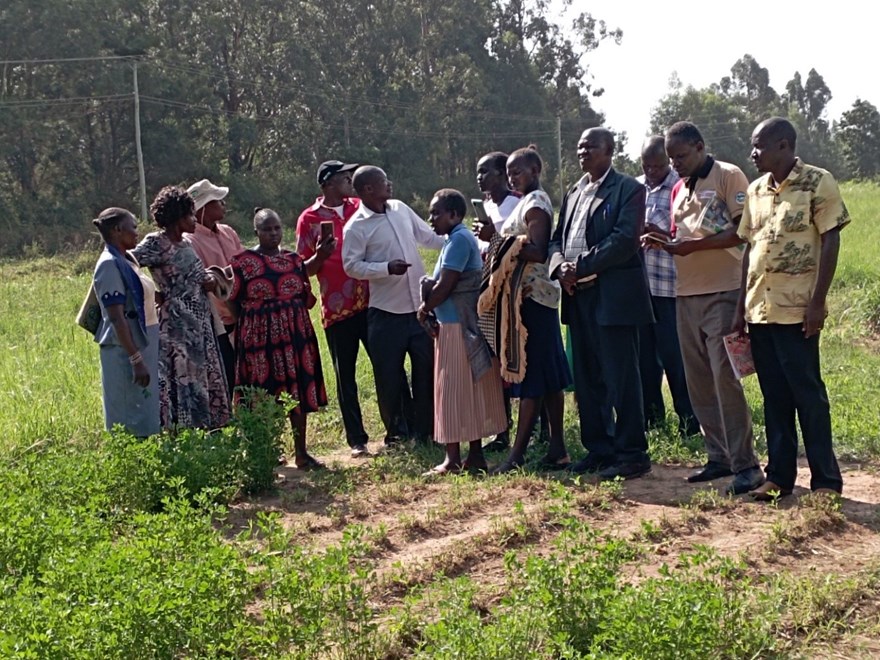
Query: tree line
(255,93)
(728,111)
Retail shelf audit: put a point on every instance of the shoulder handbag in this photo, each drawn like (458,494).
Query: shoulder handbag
(89,316)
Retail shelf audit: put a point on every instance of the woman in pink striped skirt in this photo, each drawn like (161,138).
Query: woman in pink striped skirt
(468,400)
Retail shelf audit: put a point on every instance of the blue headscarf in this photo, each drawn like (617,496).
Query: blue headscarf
(132,282)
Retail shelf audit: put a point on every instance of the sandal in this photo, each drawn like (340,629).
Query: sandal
(442,471)
(554,462)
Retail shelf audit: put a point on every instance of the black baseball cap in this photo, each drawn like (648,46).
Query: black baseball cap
(330,167)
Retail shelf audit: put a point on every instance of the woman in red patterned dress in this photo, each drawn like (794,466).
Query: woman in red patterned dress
(276,346)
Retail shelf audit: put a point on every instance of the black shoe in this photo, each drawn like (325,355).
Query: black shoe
(745,481)
(500,442)
(710,472)
(625,471)
(591,463)
(391,440)
(359,451)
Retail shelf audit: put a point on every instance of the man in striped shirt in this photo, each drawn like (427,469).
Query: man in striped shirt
(659,350)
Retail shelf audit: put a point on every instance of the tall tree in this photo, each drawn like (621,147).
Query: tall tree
(724,124)
(859,137)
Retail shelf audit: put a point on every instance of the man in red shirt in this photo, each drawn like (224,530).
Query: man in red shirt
(343,299)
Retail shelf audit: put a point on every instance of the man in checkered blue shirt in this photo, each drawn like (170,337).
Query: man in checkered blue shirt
(659,350)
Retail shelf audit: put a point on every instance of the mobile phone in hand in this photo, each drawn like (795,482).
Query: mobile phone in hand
(326,230)
(480,209)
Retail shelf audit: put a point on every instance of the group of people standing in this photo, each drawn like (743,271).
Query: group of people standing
(650,275)
(213,316)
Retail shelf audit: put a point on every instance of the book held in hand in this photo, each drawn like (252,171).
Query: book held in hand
(739,352)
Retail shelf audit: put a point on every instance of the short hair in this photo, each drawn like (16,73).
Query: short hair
(109,219)
(605,136)
(171,205)
(685,131)
(497,159)
(261,215)
(364,176)
(779,128)
(529,154)
(654,146)
(452,201)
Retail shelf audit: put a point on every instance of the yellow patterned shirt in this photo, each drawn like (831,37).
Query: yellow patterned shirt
(783,227)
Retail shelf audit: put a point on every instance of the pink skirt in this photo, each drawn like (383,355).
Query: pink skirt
(464,411)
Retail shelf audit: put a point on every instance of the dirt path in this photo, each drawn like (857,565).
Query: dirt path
(424,528)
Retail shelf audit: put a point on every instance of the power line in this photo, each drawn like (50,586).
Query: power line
(305,91)
(72,100)
(61,60)
(416,133)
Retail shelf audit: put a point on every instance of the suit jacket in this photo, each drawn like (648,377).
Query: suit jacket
(614,226)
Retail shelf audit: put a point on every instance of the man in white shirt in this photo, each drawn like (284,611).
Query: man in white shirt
(380,244)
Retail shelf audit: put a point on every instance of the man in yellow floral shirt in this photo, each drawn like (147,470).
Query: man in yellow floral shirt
(791,222)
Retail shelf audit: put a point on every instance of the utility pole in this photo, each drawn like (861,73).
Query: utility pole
(137,140)
(559,157)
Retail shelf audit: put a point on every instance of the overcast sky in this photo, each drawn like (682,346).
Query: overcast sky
(701,41)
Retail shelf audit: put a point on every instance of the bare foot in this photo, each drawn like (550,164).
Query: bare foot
(443,469)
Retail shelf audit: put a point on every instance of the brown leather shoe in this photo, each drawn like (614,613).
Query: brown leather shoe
(768,491)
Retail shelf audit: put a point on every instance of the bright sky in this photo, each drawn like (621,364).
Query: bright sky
(783,37)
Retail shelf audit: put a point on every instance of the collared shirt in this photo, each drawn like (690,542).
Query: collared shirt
(576,242)
(216,248)
(660,264)
(342,296)
(783,226)
(704,206)
(371,240)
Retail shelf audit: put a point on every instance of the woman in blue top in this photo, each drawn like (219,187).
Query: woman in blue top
(468,401)
(128,332)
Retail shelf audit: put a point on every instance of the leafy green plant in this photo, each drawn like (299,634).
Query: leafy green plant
(204,460)
(315,602)
(169,586)
(259,421)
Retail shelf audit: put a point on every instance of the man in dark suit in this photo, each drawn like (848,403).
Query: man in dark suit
(594,254)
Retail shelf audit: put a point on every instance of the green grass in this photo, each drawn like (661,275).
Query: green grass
(111,547)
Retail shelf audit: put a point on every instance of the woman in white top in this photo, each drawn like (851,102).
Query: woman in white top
(546,373)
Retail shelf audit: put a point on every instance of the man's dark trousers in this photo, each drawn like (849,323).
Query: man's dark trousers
(788,371)
(344,339)
(390,337)
(659,352)
(607,384)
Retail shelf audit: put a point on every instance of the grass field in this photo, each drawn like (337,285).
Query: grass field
(371,560)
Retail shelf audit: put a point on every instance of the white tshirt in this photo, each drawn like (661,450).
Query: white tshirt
(498,213)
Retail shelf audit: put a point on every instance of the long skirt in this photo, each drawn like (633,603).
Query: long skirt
(464,411)
(133,406)
(546,366)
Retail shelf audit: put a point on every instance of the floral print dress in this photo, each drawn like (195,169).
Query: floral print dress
(192,385)
(276,346)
